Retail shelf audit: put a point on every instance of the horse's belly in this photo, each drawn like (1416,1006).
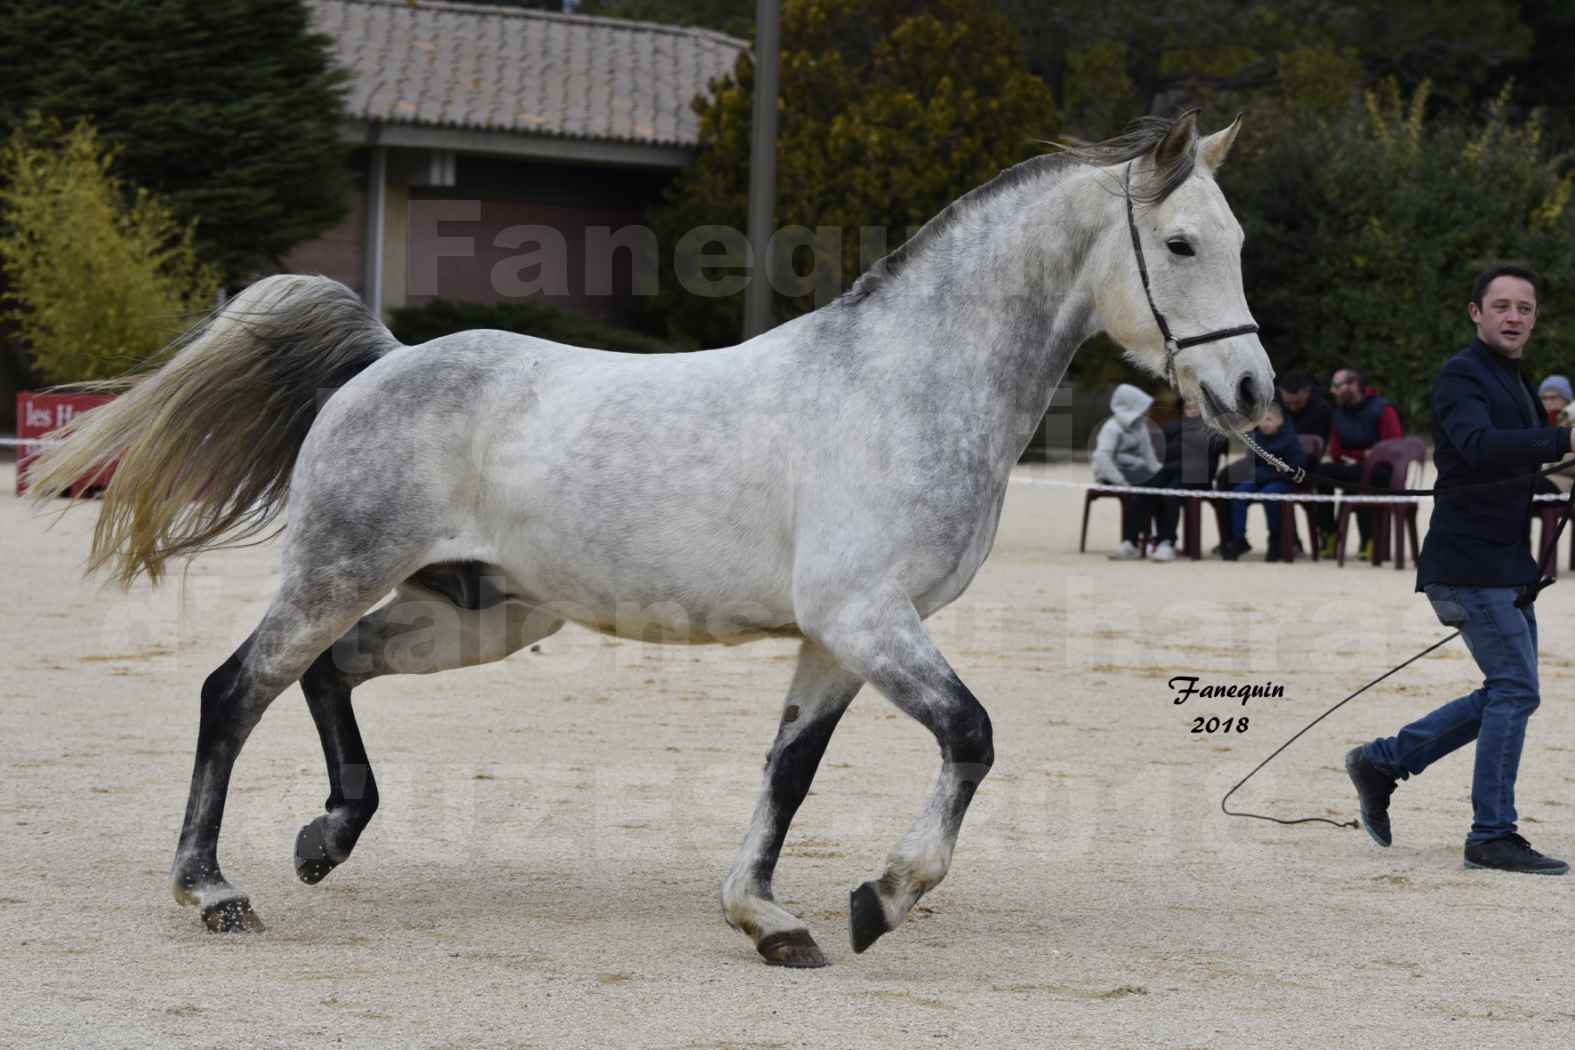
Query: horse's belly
(647,499)
(679,587)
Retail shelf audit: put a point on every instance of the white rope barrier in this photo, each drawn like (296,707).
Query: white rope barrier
(1290,497)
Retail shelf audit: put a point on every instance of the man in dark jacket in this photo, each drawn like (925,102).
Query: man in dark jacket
(1477,571)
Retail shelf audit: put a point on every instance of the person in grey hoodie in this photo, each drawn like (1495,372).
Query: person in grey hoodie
(1124,455)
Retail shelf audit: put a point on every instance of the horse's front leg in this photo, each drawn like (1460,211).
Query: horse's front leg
(883,640)
(820,693)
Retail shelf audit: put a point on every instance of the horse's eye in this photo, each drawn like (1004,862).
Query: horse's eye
(1178,246)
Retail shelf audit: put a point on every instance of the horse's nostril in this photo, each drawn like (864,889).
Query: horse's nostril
(1246,396)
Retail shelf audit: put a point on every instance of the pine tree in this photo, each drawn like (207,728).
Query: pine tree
(228,110)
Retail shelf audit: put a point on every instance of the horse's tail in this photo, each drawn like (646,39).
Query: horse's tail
(203,445)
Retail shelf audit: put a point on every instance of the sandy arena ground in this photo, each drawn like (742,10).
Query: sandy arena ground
(544,870)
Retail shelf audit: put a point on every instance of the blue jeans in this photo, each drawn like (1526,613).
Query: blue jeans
(1503,641)
(1238,510)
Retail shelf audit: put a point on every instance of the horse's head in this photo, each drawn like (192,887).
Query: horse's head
(1191,249)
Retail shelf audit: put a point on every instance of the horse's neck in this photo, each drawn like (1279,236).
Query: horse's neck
(996,308)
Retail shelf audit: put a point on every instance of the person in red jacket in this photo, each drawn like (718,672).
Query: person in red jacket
(1361,419)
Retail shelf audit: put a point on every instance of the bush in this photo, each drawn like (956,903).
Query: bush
(100,277)
(1365,231)
(418,324)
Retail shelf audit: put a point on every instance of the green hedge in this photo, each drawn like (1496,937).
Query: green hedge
(417,324)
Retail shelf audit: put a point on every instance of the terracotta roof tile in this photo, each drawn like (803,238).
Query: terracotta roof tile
(507,69)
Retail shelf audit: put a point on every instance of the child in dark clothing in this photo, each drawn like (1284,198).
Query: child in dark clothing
(1277,436)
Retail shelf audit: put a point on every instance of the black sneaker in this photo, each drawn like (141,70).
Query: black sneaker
(1231,550)
(1512,853)
(1373,788)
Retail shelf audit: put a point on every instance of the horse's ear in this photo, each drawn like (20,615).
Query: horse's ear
(1213,148)
(1179,141)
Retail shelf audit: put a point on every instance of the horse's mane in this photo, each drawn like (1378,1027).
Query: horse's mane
(1140,137)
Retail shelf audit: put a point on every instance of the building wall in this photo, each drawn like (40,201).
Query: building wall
(339,252)
(509,231)
(506,231)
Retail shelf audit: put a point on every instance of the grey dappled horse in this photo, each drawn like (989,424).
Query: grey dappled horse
(837,480)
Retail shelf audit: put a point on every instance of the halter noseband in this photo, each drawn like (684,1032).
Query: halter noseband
(1173,346)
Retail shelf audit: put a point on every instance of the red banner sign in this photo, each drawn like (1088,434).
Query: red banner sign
(39,414)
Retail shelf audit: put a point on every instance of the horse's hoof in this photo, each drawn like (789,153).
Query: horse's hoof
(232,916)
(866,918)
(792,948)
(312,863)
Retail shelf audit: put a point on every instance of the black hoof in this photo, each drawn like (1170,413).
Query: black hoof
(792,948)
(866,918)
(232,916)
(312,863)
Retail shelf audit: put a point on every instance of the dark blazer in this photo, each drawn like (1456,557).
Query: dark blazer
(1487,426)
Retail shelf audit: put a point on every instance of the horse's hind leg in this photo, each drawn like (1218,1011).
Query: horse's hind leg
(417,633)
(820,693)
(233,701)
(884,641)
(352,790)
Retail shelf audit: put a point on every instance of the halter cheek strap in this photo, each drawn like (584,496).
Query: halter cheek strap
(1173,346)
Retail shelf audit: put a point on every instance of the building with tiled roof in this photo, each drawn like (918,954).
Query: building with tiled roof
(478,126)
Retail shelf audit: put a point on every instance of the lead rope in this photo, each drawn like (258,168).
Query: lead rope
(1549,551)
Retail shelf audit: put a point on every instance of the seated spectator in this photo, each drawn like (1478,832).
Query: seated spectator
(1305,408)
(1276,436)
(1556,398)
(1360,420)
(1124,455)
(1192,451)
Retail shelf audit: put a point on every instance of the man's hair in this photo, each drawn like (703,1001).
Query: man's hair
(1295,383)
(1479,287)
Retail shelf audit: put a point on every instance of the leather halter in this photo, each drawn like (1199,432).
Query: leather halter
(1173,346)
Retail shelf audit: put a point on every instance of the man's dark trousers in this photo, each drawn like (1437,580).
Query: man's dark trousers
(1503,641)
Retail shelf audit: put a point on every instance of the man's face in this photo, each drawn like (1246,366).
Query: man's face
(1345,388)
(1271,424)
(1553,403)
(1294,401)
(1506,316)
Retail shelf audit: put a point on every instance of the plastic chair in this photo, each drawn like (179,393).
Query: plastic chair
(1547,512)
(1126,509)
(1312,448)
(1401,454)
